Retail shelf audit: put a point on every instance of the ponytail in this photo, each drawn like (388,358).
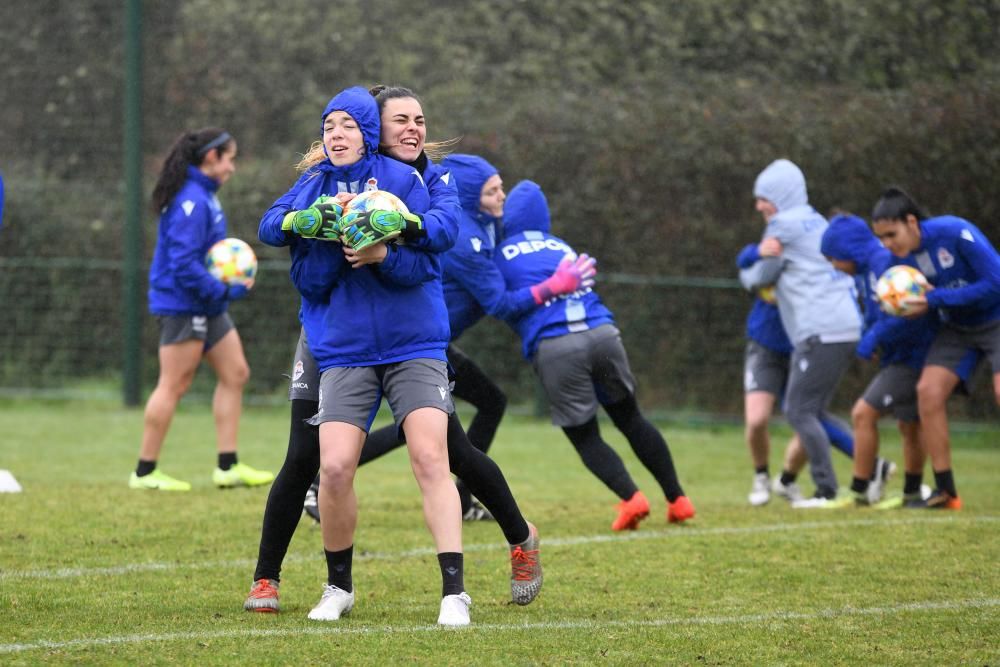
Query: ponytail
(189,149)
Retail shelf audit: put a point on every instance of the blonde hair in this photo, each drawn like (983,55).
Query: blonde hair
(312,157)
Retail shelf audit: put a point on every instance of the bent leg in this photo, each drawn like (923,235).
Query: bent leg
(485,479)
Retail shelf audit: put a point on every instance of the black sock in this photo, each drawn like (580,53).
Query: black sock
(338,568)
(912,482)
(945,482)
(452,573)
(144,468)
(227,460)
(859,485)
(788,477)
(762,470)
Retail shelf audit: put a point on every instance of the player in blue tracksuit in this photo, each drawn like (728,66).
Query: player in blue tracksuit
(473,287)
(765,372)
(963,269)
(901,346)
(370,336)
(577,352)
(403,136)
(191,308)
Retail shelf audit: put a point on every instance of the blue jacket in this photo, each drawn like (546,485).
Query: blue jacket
(179,282)
(377,314)
(528,255)
(958,259)
(764,320)
(473,286)
(901,340)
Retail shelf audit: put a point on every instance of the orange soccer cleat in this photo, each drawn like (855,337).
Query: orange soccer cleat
(680,510)
(263,597)
(942,500)
(631,512)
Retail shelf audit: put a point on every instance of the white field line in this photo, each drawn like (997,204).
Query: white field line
(672,533)
(776,617)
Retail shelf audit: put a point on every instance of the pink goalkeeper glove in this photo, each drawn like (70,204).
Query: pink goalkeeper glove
(569,276)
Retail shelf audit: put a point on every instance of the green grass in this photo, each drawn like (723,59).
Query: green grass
(91,572)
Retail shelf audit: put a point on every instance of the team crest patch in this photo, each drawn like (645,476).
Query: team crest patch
(477,243)
(945,258)
(371,184)
(297,371)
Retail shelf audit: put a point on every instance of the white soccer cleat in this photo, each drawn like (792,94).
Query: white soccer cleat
(760,492)
(876,486)
(790,492)
(455,610)
(335,603)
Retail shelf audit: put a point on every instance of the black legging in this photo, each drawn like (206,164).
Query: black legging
(646,440)
(284,501)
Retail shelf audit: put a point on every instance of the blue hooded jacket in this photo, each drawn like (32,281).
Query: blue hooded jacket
(179,282)
(473,286)
(376,314)
(528,255)
(964,267)
(901,340)
(764,321)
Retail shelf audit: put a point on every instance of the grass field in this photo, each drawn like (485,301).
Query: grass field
(93,573)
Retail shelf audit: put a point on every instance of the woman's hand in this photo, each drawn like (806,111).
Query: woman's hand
(373,254)
(769,247)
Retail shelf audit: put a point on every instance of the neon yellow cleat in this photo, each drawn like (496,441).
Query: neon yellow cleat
(241,474)
(157,481)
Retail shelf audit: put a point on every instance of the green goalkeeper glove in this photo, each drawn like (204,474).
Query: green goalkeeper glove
(320,220)
(372,227)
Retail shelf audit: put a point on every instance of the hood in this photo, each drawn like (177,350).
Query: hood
(526,209)
(783,184)
(849,238)
(470,173)
(362,107)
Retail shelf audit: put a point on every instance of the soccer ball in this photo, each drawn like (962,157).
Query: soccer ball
(375,200)
(898,283)
(232,261)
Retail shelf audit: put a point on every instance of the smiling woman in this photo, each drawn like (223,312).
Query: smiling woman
(342,368)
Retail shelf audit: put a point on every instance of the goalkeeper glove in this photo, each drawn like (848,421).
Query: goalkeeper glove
(569,276)
(370,227)
(320,220)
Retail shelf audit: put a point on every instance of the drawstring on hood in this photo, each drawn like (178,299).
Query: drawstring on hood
(783,184)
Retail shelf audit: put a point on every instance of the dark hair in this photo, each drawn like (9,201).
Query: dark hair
(896,204)
(189,149)
(435,150)
(381,93)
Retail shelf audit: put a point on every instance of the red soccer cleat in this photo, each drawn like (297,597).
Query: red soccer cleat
(680,510)
(942,500)
(631,512)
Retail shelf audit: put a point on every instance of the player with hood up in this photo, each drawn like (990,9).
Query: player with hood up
(473,287)
(370,335)
(963,269)
(577,352)
(765,372)
(818,310)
